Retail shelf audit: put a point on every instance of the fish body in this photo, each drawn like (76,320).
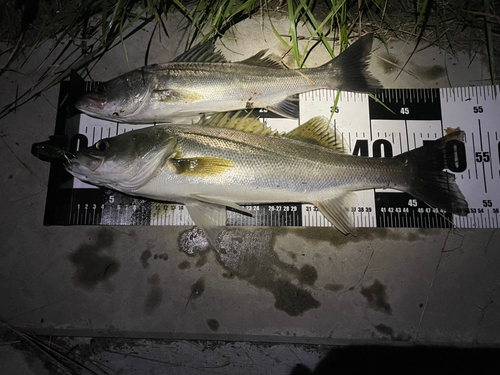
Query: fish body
(203,81)
(227,161)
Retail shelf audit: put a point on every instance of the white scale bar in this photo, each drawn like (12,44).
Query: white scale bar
(474,110)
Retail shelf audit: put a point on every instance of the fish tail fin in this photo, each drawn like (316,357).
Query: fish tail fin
(349,70)
(428,181)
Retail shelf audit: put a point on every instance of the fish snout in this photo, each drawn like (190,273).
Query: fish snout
(90,162)
(87,103)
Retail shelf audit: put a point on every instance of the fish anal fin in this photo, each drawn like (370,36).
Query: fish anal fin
(336,211)
(210,218)
(318,131)
(201,166)
(287,108)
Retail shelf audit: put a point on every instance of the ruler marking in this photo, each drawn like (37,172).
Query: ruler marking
(474,155)
(452,114)
(481,143)
(491,154)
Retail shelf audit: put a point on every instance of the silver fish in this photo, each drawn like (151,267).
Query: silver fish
(203,81)
(227,161)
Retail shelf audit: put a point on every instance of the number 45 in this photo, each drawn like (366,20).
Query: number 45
(412,203)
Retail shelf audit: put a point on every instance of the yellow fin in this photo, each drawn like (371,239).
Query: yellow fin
(176,95)
(319,132)
(201,166)
(236,122)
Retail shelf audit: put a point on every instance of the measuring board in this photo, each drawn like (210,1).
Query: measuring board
(369,129)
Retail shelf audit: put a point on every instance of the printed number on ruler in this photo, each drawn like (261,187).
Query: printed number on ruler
(369,129)
(417,116)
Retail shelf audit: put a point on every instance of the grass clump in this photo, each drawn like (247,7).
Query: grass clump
(95,26)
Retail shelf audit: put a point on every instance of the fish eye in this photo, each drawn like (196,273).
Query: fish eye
(100,89)
(102,145)
(116,114)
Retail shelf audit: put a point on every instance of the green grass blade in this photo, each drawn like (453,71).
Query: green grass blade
(247,4)
(335,104)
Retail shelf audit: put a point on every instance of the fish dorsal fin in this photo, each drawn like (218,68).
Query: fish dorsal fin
(236,122)
(259,59)
(202,53)
(319,132)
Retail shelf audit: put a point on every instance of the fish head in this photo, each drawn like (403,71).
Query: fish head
(125,162)
(118,99)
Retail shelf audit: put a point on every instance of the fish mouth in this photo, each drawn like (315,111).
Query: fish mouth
(88,104)
(90,162)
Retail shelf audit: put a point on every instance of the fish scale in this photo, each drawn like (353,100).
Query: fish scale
(210,166)
(202,81)
(256,166)
(364,124)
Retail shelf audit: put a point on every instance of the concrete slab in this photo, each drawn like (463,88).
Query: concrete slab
(296,285)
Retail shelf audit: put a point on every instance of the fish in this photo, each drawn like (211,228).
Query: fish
(203,81)
(232,161)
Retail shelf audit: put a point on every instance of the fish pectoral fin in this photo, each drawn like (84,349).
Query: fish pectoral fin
(336,212)
(202,166)
(222,202)
(286,108)
(209,217)
(319,132)
(176,95)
